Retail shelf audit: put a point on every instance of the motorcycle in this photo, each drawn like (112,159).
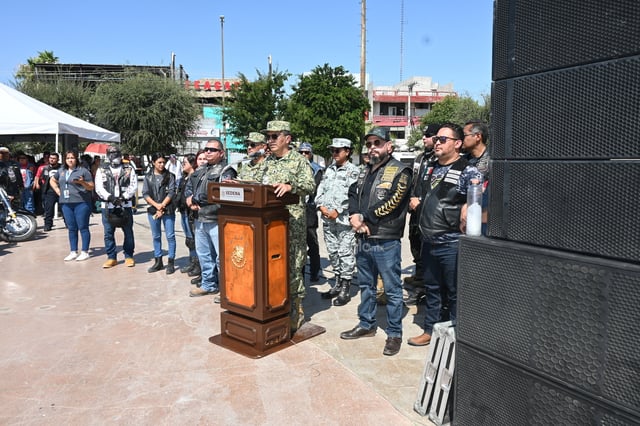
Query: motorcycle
(16,225)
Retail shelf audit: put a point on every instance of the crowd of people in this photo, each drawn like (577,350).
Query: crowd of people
(362,210)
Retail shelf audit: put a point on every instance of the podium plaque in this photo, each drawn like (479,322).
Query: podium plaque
(254,267)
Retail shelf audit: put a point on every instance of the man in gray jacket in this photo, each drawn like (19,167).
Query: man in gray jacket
(206,224)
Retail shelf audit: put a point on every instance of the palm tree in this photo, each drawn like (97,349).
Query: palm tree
(26,70)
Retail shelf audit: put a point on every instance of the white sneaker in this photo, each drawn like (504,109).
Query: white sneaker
(83,256)
(71,256)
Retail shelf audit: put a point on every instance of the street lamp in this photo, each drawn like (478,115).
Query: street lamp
(222,43)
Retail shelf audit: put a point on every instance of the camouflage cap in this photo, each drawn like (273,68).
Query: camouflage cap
(340,143)
(277,126)
(255,137)
(305,146)
(378,132)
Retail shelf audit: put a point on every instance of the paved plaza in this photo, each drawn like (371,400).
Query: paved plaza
(82,345)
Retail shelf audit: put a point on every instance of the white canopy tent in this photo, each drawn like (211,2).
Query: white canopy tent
(22,117)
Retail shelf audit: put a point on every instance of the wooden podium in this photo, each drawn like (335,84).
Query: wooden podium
(254,275)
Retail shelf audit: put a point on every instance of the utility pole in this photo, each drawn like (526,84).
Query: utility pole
(222,42)
(363,44)
(409,116)
(173,66)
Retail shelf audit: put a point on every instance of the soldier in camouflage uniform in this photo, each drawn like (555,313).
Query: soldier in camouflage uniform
(256,151)
(288,171)
(333,201)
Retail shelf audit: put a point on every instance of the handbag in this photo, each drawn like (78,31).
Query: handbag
(152,210)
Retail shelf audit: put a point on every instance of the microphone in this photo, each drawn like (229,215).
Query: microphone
(259,153)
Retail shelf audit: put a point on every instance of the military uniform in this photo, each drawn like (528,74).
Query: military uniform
(339,237)
(250,172)
(292,169)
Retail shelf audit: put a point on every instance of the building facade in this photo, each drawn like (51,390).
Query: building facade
(399,107)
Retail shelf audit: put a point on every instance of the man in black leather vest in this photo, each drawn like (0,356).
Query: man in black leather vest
(116,185)
(415,284)
(445,187)
(377,212)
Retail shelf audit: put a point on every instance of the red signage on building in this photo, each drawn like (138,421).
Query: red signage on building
(209,85)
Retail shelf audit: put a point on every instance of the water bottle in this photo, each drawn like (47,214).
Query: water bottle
(474,208)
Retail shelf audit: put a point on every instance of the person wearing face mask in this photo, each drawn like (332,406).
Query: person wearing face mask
(116,185)
(378,204)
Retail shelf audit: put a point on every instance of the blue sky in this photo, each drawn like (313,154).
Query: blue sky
(449,41)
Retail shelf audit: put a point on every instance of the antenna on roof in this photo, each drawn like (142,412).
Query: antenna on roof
(401,36)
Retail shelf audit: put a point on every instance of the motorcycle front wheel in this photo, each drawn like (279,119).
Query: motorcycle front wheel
(22,228)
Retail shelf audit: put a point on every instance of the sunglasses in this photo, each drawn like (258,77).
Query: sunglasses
(253,145)
(305,152)
(441,139)
(335,150)
(376,143)
(273,136)
(210,149)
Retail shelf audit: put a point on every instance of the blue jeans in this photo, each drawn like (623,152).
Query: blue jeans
(440,269)
(27,200)
(76,216)
(208,247)
(169,223)
(109,238)
(382,257)
(186,228)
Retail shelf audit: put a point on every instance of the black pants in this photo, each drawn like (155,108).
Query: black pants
(313,250)
(415,242)
(50,199)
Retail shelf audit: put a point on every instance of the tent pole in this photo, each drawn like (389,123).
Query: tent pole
(55,207)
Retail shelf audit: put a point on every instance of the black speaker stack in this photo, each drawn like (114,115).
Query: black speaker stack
(549,301)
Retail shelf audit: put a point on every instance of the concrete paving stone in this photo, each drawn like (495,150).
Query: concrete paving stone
(82,345)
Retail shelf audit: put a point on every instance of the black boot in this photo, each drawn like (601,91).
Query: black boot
(189,267)
(170,266)
(195,271)
(333,291)
(344,297)
(157,265)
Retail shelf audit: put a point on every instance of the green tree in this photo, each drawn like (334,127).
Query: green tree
(152,114)
(252,104)
(458,110)
(69,96)
(453,109)
(326,104)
